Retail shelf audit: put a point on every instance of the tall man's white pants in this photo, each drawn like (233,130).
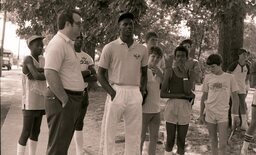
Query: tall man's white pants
(127,104)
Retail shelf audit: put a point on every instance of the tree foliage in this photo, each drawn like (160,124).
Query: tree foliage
(100,25)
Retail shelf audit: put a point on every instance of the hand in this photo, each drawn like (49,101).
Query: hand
(113,96)
(30,77)
(156,71)
(235,121)
(201,119)
(64,101)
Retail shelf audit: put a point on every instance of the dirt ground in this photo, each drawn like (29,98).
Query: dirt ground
(197,138)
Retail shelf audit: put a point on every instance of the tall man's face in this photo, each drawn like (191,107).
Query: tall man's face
(126,27)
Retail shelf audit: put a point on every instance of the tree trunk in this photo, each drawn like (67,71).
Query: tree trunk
(231,27)
(90,46)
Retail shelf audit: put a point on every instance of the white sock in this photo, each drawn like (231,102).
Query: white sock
(21,149)
(32,145)
(79,141)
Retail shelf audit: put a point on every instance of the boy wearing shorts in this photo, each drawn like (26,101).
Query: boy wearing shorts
(218,86)
(151,106)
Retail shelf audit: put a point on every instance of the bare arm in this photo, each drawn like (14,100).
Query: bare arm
(30,69)
(202,105)
(144,79)
(104,82)
(90,74)
(56,85)
(235,103)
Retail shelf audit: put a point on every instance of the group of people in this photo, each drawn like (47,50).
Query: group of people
(135,77)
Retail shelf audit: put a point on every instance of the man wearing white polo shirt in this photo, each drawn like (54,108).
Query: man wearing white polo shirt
(125,62)
(65,82)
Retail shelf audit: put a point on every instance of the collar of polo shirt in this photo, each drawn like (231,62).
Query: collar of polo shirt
(65,38)
(120,41)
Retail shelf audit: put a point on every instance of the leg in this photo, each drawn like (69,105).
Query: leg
(132,122)
(34,134)
(61,122)
(153,133)
(223,137)
(78,135)
(27,126)
(242,109)
(113,116)
(145,123)
(181,137)
(170,141)
(212,128)
(28,121)
(249,132)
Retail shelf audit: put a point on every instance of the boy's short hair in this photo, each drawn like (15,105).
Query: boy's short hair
(181,48)
(150,35)
(214,59)
(156,50)
(186,41)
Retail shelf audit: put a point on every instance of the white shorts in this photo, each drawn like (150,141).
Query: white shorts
(178,111)
(215,118)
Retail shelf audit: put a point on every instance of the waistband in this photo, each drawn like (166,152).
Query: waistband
(71,92)
(125,86)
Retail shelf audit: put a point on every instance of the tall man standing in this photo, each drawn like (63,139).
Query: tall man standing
(125,61)
(65,83)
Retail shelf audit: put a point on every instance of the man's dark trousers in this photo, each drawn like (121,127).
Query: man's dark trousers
(61,121)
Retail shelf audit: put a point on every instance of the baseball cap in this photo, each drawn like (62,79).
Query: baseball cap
(125,15)
(33,37)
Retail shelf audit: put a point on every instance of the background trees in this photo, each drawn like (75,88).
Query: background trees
(214,24)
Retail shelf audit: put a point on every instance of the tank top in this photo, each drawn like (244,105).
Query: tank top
(33,90)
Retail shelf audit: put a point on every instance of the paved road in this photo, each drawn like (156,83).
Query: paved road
(12,124)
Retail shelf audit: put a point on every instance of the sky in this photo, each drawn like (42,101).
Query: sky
(11,40)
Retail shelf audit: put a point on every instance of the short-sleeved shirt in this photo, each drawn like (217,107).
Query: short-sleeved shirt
(124,63)
(219,89)
(61,57)
(85,61)
(240,74)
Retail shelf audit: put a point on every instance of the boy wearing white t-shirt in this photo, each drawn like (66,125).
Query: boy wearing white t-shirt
(151,106)
(218,86)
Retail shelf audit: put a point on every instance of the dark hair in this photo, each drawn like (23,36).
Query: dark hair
(181,48)
(66,16)
(35,40)
(150,35)
(214,59)
(186,41)
(156,50)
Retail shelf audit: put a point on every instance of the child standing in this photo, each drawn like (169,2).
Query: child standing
(34,85)
(241,71)
(177,87)
(218,86)
(89,75)
(151,106)
(252,128)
